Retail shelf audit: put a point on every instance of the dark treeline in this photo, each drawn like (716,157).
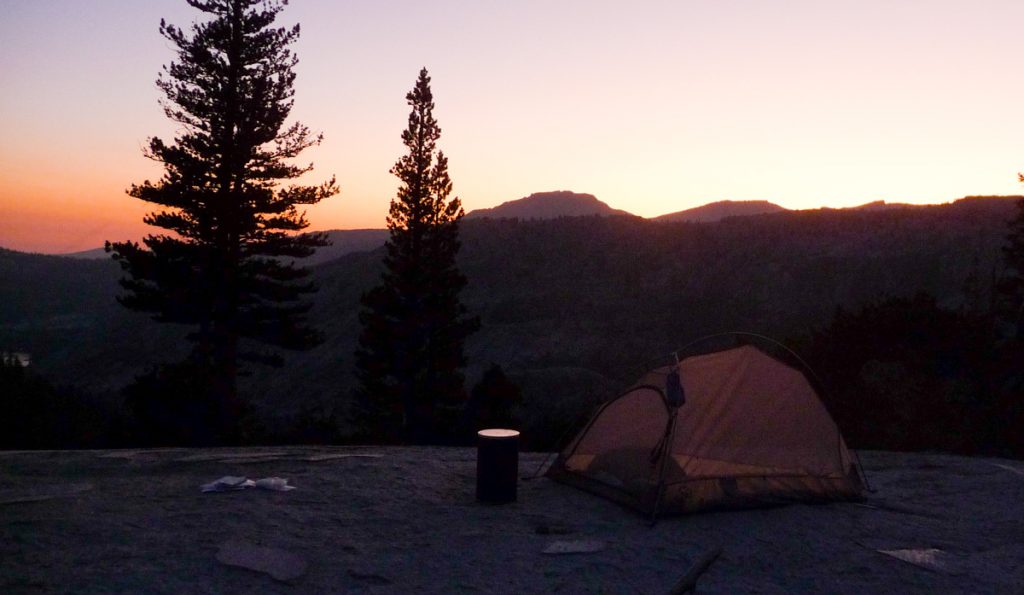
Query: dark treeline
(36,414)
(908,374)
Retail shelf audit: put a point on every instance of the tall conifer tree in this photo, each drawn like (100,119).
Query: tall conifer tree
(414,325)
(1013,283)
(224,262)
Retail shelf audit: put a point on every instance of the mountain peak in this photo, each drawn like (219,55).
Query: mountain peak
(548,205)
(716,211)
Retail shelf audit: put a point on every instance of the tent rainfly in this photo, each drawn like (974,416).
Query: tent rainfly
(734,428)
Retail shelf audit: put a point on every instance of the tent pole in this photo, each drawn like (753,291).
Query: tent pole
(580,434)
(666,442)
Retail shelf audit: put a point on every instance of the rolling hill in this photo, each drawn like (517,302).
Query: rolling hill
(716,211)
(547,205)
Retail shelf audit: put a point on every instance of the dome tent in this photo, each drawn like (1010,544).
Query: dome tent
(732,423)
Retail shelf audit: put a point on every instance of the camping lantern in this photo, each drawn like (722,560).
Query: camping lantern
(497,465)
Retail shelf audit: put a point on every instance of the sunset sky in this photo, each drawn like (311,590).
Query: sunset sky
(651,106)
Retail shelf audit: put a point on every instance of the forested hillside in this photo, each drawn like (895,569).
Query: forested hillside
(570,307)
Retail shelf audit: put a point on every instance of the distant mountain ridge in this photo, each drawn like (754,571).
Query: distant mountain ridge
(548,205)
(347,241)
(879,205)
(539,205)
(716,211)
(556,204)
(91,254)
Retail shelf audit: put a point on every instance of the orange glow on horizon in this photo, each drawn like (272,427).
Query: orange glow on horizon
(653,107)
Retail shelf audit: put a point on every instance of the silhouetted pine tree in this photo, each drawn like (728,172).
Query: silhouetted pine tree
(1013,282)
(414,326)
(1008,369)
(225,263)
